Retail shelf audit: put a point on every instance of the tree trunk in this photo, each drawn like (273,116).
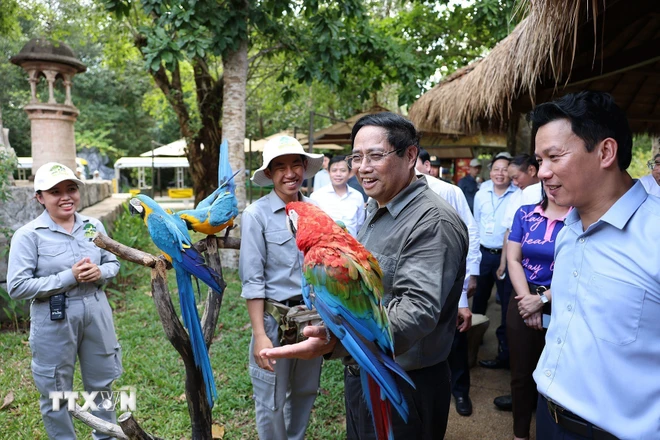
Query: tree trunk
(235,66)
(233,112)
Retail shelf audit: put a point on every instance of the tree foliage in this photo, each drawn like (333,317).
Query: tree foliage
(109,95)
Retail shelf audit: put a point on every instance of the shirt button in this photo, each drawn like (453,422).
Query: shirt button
(558,340)
(548,373)
(569,307)
(581,240)
(575,273)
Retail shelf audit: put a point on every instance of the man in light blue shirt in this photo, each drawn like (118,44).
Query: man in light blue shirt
(598,374)
(490,205)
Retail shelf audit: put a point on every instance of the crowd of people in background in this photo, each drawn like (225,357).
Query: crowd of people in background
(577,180)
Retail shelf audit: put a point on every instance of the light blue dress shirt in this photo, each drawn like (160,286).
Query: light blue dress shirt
(489,211)
(602,351)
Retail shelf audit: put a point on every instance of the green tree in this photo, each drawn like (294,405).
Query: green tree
(110,95)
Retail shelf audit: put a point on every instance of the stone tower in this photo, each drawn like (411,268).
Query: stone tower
(53,137)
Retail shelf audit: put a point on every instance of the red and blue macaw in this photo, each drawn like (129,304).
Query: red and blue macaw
(344,282)
(217,211)
(170,236)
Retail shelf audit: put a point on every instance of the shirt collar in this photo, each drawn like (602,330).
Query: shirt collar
(277,204)
(619,213)
(511,188)
(45,221)
(401,200)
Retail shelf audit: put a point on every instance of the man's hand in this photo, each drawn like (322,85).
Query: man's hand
(528,305)
(472,286)
(316,345)
(464,319)
(501,271)
(262,342)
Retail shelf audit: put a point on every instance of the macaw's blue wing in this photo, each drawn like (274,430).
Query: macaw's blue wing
(213,219)
(193,263)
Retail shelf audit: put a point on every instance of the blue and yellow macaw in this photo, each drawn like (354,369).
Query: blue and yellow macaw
(166,232)
(217,211)
(342,279)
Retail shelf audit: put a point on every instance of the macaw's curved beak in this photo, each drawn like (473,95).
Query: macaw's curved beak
(291,225)
(135,207)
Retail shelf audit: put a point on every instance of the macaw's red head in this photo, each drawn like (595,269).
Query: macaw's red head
(311,226)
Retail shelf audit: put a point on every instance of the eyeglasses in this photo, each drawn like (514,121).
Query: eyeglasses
(355,160)
(652,164)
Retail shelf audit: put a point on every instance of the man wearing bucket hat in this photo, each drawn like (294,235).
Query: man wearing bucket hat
(270,270)
(54,263)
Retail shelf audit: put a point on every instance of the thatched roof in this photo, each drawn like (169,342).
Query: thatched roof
(560,47)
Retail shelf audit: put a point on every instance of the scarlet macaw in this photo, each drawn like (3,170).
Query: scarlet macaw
(177,247)
(217,211)
(343,281)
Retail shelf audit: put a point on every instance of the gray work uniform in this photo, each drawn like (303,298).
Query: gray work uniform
(270,268)
(41,256)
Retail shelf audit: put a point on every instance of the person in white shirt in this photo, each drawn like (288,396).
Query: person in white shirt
(651,181)
(340,201)
(322,178)
(458,357)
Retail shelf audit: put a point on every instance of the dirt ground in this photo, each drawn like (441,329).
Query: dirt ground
(486,421)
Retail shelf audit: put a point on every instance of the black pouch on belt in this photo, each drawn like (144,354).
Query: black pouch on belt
(57,307)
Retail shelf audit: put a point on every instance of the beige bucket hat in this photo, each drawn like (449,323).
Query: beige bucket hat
(280,146)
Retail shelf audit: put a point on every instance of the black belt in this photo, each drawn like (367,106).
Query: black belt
(492,251)
(576,424)
(294,301)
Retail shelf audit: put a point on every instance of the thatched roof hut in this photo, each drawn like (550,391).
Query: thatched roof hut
(560,47)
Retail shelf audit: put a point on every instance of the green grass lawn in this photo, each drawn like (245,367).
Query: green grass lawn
(154,368)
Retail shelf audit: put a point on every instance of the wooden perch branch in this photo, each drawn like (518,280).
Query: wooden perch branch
(125,252)
(99,424)
(198,406)
(132,429)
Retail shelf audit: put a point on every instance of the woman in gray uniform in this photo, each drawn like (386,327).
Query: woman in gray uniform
(53,263)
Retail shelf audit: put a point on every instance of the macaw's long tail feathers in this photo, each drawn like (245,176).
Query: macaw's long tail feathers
(369,356)
(194,263)
(381,410)
(225,177)
(191,323)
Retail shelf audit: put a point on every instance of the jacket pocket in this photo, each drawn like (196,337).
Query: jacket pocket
(612,309)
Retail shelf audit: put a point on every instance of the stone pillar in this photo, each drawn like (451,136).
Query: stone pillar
(53,136)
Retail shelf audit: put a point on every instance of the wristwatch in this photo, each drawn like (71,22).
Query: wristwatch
(540,291)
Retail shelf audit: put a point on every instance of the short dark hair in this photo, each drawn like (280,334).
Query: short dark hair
(524,161)
(424,155)
(401,133)
(594,116)
(335,159)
